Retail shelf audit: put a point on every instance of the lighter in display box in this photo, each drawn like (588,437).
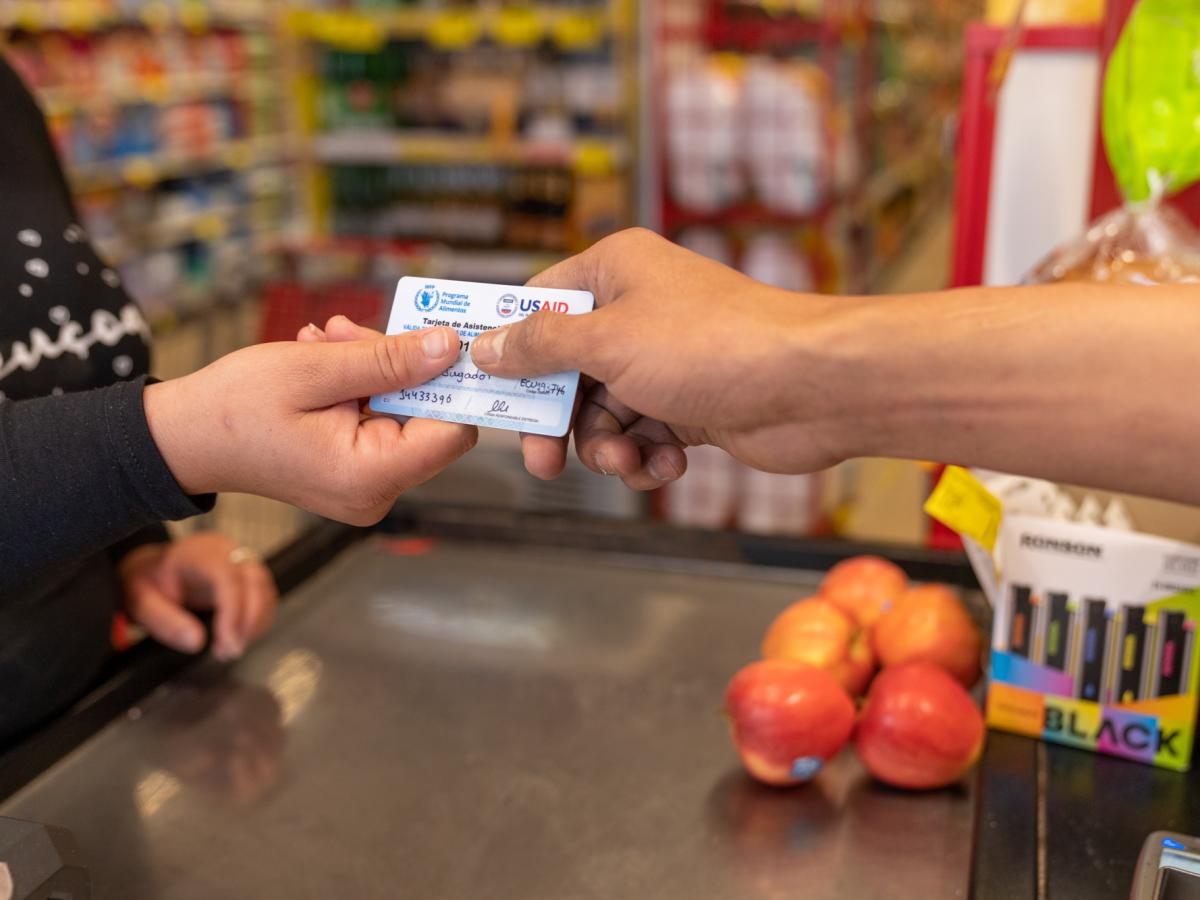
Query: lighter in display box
(1093,641)
(463,393)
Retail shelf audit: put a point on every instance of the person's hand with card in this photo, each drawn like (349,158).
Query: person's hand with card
(682,350)
(299,435)
(540,408)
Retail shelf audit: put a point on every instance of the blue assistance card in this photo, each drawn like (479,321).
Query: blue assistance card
(462,393)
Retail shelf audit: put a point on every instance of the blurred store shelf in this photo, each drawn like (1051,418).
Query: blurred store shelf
(249,86)
(457,27)
(93,16)
(414,146)
(146,171)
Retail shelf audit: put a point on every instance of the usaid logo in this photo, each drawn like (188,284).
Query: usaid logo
(427,298)
(506,306)
(532,306)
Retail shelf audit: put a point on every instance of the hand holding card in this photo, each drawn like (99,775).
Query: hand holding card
(462,393)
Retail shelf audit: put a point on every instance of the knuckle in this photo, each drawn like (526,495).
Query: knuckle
(633,238)
(530,334)
(391,361)
(611,261)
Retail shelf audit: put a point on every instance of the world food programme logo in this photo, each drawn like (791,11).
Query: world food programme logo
(427,298)
(506,305)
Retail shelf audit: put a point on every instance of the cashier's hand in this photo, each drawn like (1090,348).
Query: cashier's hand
(164,583)
(285,421)
(680,351)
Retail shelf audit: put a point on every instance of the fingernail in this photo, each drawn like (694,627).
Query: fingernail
(313,329)
(602,464)
(663,469)
(228,653)
(435,343)
(191,642)
(488,348)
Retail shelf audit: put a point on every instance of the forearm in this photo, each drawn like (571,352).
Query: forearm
(1082,384)
(77,474)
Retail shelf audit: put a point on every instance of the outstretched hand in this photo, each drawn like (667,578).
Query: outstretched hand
(680,351)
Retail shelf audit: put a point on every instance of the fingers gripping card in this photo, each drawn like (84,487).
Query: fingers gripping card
(463,393)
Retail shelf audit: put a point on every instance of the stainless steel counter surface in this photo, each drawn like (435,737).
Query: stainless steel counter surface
(471,722)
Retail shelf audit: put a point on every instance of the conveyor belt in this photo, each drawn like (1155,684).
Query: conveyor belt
(473,720)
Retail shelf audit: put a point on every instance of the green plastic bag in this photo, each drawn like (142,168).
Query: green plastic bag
(1152,100)
(1151,124)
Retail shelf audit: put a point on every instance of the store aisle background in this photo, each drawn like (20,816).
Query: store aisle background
(253,165)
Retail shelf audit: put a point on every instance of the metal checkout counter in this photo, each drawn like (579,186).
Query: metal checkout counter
(473,705)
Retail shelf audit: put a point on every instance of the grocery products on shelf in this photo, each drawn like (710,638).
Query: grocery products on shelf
(704,137)
(172,122)
(469,126)
(756,130)
(831,120)
(82,16)
(803,144)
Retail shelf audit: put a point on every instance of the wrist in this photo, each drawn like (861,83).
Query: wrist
(165,410)
(900,370)
(826,358)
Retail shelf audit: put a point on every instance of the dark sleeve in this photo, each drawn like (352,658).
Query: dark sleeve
(78,473)
(151,534)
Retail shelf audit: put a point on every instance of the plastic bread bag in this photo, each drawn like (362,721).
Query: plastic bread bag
(1151,124)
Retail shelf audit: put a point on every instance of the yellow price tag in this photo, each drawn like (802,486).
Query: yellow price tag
(156,16)
(30,16)
(962,503)
(518,26)
(140,173)
(240,155)
(454,30)
(155,89)
(579,31)
(194,16)
(81,16)
(345,30)
(210,227)
(593,159)
(732,64)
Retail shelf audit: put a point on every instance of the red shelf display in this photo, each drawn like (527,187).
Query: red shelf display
(722,75)
(826,41)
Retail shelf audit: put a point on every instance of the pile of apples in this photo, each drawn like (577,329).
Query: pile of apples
(918,726)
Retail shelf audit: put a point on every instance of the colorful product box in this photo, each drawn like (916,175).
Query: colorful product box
(1094,639)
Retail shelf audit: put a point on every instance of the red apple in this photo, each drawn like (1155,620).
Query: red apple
(920,728)
(930,624)
(816,632)
(864,587)
(788,719)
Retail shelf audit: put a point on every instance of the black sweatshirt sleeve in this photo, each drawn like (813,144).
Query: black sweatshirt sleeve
(78,473)
(151,534)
